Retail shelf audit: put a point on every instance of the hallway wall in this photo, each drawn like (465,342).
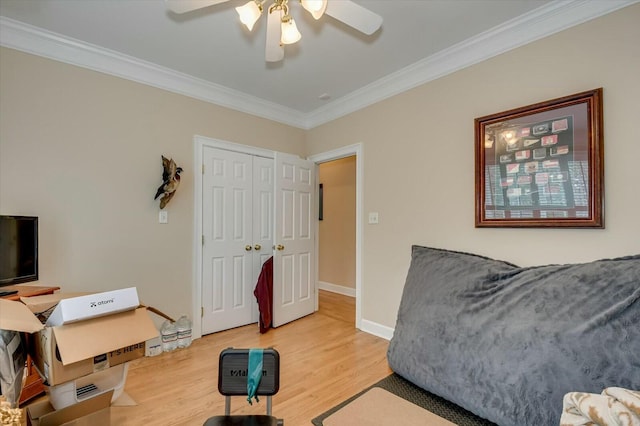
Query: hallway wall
(337,230)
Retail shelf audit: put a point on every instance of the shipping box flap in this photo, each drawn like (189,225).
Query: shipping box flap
(97,418)
(44,414)
(17,317)
(86,339)
(37,304)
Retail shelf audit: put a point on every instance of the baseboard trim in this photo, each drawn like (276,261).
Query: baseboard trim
(335,288)
(377,329)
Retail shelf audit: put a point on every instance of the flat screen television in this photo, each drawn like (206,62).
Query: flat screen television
(18,249)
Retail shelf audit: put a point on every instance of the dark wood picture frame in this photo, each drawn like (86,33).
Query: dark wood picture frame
(542,165)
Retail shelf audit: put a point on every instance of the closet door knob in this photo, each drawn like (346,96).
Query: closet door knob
(247,248)
(257,247)
(280,247)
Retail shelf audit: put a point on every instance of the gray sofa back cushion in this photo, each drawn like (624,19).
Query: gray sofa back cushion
(507,343)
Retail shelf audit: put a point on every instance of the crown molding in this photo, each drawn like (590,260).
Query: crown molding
(554,17)
(539,23)
(27,38)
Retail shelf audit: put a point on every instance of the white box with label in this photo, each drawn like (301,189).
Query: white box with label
(75,391)
(93,305)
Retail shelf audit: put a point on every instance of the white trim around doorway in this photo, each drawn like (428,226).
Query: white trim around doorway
(336,154)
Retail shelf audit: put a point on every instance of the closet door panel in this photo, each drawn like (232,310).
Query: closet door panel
(227,223)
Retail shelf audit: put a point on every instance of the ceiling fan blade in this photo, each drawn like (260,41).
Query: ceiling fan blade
(183,6)
(354,15)
(274,51)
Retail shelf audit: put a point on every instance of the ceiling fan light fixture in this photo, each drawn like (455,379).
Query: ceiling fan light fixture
(281,28)
(249,13)
(315,7)
(290,33)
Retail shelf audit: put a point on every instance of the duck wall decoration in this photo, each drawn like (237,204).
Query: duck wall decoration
(170,181)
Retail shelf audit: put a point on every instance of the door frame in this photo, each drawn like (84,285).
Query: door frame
(199,143)
(337,154)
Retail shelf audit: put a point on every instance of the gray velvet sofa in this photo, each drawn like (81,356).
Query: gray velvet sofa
(507,343)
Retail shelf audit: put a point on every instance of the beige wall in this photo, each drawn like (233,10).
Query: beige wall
(419,156)
(81,150)
(337,230)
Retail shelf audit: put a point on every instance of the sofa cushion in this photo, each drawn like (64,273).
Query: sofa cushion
(507,343)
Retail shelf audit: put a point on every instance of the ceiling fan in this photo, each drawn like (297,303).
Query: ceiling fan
(281,28)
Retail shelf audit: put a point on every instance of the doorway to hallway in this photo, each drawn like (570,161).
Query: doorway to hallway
(337,227)
(342,158)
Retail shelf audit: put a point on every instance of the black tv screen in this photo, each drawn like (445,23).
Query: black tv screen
(18,249)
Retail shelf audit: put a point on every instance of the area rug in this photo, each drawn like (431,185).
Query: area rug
(378,407)
(406,390)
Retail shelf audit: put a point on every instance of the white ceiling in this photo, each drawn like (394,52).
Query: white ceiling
(209,55)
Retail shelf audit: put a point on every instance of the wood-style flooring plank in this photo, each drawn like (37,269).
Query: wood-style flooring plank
(324,360)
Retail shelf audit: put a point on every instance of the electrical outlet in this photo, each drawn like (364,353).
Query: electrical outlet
(163,217)
(373,217)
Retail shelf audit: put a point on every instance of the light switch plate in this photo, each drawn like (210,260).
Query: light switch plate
(373,217)
(163,216)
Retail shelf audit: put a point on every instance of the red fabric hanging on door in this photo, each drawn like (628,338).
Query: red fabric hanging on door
(264,295)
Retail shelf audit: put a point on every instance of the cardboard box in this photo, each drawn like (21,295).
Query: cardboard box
(70,351)
(66,352)
(91,412)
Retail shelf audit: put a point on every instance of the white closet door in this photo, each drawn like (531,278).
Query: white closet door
(294,258)
(263,187)
(227,252)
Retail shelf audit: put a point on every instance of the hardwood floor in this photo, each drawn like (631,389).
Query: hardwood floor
(324,360)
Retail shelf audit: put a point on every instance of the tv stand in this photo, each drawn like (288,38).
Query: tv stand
(19,291)
(33,384)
